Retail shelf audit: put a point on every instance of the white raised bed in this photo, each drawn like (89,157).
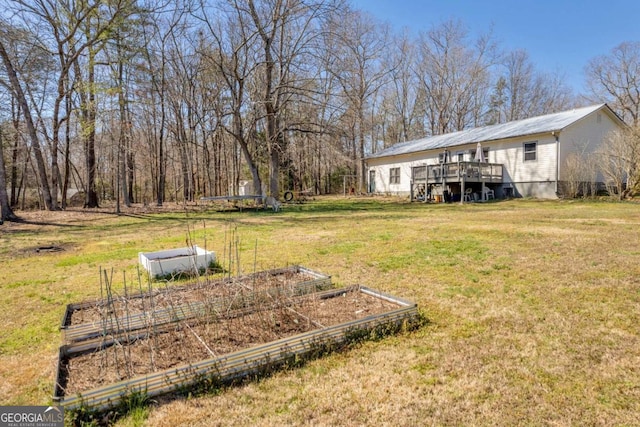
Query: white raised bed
(189,259)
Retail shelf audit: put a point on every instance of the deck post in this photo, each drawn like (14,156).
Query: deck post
(426,184)
(411,191)
(442,178)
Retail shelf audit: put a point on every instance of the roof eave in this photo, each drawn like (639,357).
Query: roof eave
(524,135)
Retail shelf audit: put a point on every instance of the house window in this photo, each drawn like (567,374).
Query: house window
(419,173)
(394,176)
(530,151)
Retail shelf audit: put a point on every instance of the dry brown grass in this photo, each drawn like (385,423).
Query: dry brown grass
(534,309)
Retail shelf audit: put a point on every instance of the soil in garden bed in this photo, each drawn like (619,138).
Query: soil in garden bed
(168,297)
(190,344)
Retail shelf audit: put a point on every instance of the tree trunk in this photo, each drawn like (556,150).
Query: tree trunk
(238,135)
(15,190)
(6,213)
(162,169)
(162,166)
(88,126)
(35,142)
(55,141)
(124,129)
(67,154)
(360,171)
(185,171)
(130,174)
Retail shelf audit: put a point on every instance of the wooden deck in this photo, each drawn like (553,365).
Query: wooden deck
(465,171)
(459,176)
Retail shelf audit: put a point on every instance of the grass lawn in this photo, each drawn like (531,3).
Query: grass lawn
(533,308)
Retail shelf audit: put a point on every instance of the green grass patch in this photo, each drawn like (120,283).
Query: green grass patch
(532,307)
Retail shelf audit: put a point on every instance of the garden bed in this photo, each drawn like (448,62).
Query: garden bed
(224,349)
(143,310)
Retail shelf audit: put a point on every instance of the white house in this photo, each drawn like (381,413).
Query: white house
(523,158)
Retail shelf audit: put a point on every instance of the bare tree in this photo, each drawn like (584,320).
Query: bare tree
(19,94)
(454,76)
(260,49)
(153,88)
(398,115)
(230,54)
(523,92)
(358,45)
(287,30)
(33,66)
(615,77)
(620,162)
(317,117)
(68,30)
(579,174)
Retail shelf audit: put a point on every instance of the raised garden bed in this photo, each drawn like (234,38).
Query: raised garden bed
(226,348)
(152,309)
(190,259)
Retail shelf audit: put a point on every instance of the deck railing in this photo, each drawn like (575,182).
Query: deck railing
(467,171)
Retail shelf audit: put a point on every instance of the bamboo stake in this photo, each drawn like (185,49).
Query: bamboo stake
(201,341)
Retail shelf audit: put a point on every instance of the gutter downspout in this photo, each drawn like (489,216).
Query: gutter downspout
(557,136)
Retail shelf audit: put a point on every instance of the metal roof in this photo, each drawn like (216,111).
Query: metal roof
(534,125)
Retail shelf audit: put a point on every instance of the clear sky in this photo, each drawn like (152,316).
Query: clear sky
(561,35)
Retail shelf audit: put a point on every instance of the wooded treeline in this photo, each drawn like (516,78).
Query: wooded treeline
(140,102)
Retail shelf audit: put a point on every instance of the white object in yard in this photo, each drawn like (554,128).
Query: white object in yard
(244,188)
(189,259)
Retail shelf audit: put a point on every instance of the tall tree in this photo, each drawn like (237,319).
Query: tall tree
(399,115)
(153,87)
(454,74)
(19,94)
(287,31)
(230,54)
(358,44)
(32,66)
(615,78)
(523,92)
(123,46)
(620,162)
(96,27)
(69,29)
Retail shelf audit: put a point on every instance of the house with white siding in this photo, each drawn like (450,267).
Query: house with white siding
(523,158)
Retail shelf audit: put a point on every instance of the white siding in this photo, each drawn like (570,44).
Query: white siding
(511,155)
(535,178)
(405,163)
(585,136)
